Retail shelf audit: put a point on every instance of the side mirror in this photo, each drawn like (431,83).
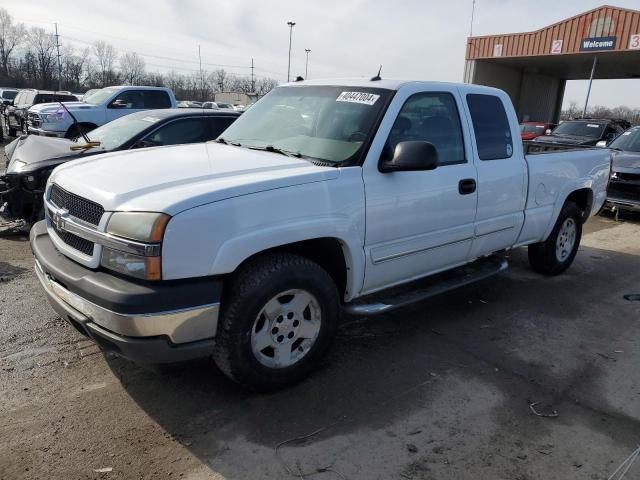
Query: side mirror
(547,131)
(118,104)
(414,155)
(602,144)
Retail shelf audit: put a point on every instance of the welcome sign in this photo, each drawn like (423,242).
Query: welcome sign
(597,43)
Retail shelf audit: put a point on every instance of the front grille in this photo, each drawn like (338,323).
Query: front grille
(74,241)
(77,206)
(625,187)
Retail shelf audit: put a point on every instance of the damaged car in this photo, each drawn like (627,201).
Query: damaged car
(624,186)
(31,159)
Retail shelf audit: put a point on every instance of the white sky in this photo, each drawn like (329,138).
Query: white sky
(413,39)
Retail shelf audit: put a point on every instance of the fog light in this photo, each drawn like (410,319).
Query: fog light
(146,268)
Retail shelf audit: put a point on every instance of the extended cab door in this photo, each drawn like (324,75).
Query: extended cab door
(502,171)
(419,222)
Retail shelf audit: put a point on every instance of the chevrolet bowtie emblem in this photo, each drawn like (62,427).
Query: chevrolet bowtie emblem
(59,219)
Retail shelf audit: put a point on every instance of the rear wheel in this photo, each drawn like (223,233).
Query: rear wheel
(278,319)
(556,253)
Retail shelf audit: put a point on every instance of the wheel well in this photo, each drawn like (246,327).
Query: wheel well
(326,252)
(583,198)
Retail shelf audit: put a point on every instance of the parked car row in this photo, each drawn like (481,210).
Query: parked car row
(209,105)
(30,159)
(618,135)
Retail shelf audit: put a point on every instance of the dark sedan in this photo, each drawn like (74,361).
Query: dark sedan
(30,159)
(624,187)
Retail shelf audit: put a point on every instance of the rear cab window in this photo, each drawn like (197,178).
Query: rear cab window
(491,127)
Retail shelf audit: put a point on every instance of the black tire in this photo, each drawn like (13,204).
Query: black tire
(246,294)
(543,257)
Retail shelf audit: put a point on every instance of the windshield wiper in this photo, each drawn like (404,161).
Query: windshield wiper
(271,148)
(224,142)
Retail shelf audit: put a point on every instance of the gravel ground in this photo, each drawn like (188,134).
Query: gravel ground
(438,390)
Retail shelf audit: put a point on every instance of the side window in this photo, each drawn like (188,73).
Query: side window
(432,117)
(29,98)
(491,126)
(219,125)
(188,130)
(156,99)
(131,99)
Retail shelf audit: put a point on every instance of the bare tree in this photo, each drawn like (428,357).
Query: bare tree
(265,85)
(11,35)
(43,45)
(105,58)
(74,67)
(220,80)
(132,68)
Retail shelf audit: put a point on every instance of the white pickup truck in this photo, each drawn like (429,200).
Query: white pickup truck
(96,109)
(325,196)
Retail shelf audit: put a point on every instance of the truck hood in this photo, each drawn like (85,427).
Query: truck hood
(29,153)
(626,160)
(54,107)
(174,179)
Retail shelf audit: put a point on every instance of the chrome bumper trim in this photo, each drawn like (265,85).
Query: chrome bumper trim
(180,326)
(65,222)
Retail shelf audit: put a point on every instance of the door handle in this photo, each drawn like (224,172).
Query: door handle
(466,186)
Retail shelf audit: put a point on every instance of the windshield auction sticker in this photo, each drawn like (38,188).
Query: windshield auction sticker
(358,97)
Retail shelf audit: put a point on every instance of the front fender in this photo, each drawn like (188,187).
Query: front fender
(214,239)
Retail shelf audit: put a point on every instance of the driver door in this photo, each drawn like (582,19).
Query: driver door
(420,222)
(129,101)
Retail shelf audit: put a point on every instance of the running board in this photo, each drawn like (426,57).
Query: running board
(428,287)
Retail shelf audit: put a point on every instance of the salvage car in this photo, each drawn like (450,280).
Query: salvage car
(30,159)
(98,108)
(585,132)
(531,130)
(624,186)
(6,97)
(352,194)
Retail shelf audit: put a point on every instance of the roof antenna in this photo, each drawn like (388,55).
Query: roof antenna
(377,77)
(299,79)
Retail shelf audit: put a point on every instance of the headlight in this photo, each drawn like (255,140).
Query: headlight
(145,227)
(140,226)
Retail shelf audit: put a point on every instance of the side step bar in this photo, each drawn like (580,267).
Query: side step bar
(397,297)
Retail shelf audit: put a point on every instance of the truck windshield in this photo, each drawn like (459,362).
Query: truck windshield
(330,124)
(580,129)
(114,134)
(629,141)
(99,96)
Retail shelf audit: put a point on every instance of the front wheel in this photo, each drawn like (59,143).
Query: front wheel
(279,316)
(556,253)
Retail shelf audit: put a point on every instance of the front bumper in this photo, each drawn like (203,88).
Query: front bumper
(45,133)
(623,204)
(149,323)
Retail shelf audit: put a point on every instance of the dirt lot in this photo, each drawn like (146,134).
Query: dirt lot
(436,391)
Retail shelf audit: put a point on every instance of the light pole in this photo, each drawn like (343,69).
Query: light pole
(306,66)
(291,24)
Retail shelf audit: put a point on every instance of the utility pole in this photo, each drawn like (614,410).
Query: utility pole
(291,25)
(253,78)
(473,11)
(306,65)
(59,65)
(201,77)
(593,71)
